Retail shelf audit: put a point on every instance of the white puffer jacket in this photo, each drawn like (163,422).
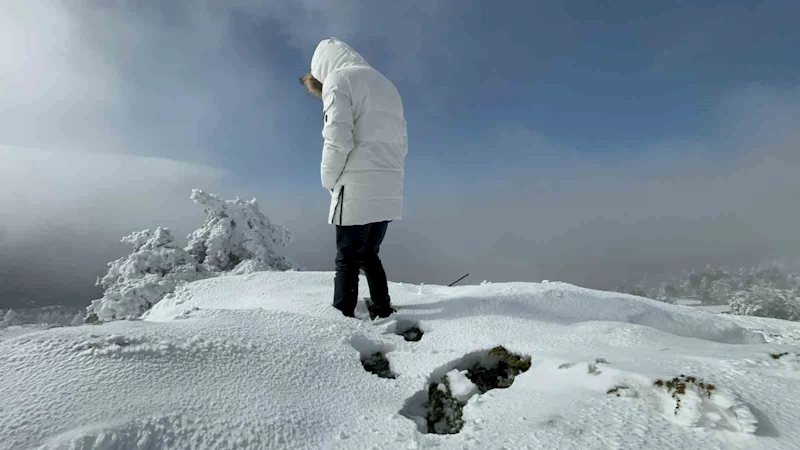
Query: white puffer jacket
(365,137)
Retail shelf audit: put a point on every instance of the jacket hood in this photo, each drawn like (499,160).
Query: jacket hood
(332,54)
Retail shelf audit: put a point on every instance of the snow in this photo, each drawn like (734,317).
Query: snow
(262,361)
(18,330)
(774,331)
(718,309)
(237,237)
(688,302)
(461,388)
(139,280)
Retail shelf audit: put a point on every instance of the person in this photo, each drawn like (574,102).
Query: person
(365,142)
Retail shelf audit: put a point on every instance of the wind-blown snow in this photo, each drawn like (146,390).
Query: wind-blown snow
(263,361)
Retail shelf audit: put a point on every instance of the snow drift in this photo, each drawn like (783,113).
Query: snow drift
(262,361)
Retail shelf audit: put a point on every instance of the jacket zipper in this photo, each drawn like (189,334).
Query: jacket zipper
(341,204)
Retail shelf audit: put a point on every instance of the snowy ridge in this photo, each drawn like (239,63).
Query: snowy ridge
(263,361)
(559,303)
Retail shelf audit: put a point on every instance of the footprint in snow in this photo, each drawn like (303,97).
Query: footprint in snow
(408,329)
(373,356)
(438,409)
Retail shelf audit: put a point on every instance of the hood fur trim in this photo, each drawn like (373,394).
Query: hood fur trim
(312,84)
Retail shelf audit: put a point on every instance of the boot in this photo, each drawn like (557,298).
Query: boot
(378,311)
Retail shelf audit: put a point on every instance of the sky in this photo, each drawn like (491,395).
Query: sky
(583,141)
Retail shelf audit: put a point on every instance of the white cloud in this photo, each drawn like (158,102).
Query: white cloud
(120,77)
(63,214)
(726,199)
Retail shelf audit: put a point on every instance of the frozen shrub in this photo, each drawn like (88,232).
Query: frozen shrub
(677,388)
(236,237)
(136,282)
(9,318)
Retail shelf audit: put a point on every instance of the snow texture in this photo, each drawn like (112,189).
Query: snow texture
(262,361)
(18,330)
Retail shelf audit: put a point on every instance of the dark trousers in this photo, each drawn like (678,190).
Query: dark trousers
(357,248)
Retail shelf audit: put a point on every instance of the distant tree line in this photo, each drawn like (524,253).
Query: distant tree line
(48,315)
(765,291)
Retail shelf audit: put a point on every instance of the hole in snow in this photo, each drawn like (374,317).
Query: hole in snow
(413,334)
(439,408)
(373,356)
(378,364)
(409,329)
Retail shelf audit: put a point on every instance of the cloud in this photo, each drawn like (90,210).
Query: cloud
(147,78)
(562,215)
(726,199)
(64,213)
(187,80)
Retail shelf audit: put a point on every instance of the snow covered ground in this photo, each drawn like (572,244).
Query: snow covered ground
(719,309)
(18,330)
(263,361)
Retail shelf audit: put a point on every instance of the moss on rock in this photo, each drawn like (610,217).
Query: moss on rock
(444,412)
(378,364)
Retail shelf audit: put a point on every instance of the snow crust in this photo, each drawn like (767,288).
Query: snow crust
(262,361)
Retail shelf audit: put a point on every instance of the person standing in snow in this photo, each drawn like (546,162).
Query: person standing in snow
(363,155)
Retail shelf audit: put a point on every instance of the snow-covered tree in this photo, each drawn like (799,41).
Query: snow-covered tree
(136,282)
(769,289)
(236,237)
(77,319)
(54,315)
(721,291)
(664,293)
(764,300)
(9,318)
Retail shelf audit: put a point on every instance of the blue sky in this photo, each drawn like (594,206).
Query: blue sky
(579,140)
